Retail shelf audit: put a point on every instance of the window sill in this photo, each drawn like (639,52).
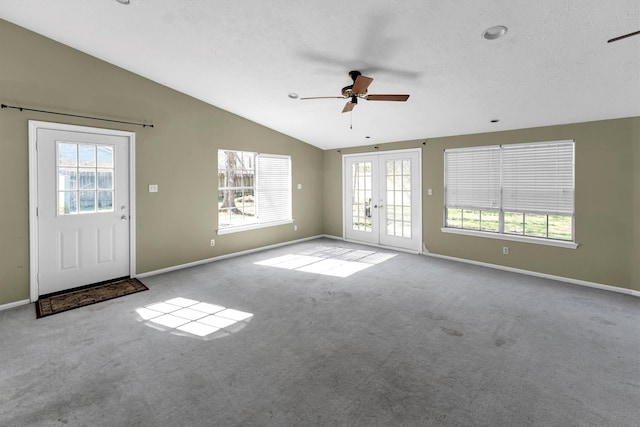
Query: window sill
(240,228)
(512,237)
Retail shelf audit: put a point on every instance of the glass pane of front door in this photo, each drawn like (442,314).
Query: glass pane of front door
(84,184)
(361,196)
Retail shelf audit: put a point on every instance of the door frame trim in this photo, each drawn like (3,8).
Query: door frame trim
(34,126)
(344,191)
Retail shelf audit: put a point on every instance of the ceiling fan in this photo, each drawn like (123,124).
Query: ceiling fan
(359,90)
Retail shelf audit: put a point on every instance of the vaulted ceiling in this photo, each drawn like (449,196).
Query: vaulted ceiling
(553,65)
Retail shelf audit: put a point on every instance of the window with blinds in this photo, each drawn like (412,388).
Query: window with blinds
(273,188)
(254,190)
(519,189)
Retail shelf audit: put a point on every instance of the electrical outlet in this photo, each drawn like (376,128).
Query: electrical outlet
(295,227)
(213,242)
(505,250)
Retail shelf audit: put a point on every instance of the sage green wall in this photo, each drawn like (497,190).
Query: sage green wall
(635,254)
(175,225)
(607,205)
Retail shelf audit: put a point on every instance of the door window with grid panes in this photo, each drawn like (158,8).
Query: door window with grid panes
(85,178)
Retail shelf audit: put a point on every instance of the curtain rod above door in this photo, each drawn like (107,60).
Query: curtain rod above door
(144,125)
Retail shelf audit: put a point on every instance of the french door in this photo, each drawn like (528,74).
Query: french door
(382,199)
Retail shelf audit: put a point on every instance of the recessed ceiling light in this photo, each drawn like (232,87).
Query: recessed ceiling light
(494,32)
(123,1)
(367,137)
(495,120)
(293,95)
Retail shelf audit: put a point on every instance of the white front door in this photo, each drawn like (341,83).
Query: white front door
(82,208)
(383,199)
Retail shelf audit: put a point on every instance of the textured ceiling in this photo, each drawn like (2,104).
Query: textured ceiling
(553,66)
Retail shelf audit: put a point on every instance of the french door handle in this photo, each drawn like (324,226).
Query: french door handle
(123,218)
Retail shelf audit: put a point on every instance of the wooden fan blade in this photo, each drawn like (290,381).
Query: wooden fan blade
(323,97)
(361,84)
(400,98)
(348,107)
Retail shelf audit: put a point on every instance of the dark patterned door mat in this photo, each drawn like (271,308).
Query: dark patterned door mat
(53,304)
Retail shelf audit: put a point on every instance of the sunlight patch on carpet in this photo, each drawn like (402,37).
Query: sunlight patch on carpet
(329,261)
(187,317)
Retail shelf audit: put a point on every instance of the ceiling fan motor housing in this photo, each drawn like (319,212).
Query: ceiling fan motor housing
(347,91)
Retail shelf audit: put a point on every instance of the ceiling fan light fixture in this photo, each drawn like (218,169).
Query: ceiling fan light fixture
(494,32)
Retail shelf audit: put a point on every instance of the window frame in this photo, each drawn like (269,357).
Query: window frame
(257,157)
(500,209)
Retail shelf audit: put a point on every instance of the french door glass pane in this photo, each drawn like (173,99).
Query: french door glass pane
(361,196)
(398,212)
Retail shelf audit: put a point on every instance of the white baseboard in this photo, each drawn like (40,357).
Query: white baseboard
(543,275)
(14,304)
(221,257)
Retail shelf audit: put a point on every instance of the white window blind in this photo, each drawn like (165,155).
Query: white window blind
(538,178)
(273,188)
(472,178)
